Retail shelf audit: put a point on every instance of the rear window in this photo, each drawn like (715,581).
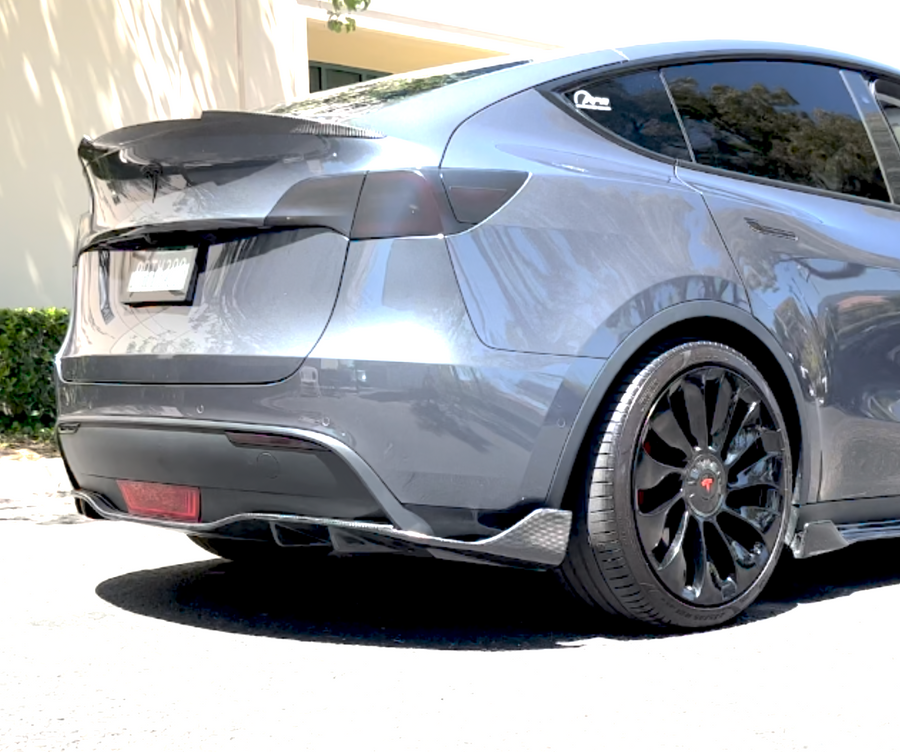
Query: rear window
(635,107)
(360,100)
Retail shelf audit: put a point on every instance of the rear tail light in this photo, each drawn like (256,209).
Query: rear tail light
(410,203)
(363,206)
(476,194)
(326,201)
(161,500)
(397,205)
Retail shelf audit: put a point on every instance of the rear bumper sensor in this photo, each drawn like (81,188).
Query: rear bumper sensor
(540,538)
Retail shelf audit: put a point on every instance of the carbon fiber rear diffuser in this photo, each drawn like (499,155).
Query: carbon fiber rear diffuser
(540,538)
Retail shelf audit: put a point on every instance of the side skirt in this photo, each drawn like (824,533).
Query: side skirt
(833,525)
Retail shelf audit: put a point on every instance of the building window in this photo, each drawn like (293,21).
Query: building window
(324,76)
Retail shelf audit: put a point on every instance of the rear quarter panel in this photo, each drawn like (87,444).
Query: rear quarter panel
(598,240)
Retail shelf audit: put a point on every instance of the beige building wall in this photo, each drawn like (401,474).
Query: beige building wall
(83,67)
(384,51)
(70,68)
(75,67)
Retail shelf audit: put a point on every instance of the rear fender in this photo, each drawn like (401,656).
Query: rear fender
(653,329)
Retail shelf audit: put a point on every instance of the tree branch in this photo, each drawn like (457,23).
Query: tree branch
(340,15)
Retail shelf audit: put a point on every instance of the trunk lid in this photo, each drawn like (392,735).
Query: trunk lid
(257,306)
(214,250)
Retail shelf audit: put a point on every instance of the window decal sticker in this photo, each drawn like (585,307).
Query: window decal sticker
(584,101)
(643,114)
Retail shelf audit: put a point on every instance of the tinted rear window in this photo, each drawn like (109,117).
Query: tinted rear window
(794,122)
(635,107)
(359,100)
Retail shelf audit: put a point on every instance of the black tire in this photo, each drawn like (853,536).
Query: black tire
(259,553)
(638,486)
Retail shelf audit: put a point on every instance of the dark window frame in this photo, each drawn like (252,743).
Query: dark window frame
(883,128)
(887,145)
(554,90)
(892,194)
(599,81)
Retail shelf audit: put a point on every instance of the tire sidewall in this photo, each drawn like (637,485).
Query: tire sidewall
(653,379)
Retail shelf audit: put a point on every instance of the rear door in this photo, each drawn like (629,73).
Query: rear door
(785,156)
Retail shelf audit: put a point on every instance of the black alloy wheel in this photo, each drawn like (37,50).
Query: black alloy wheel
(707,485)
(681,509)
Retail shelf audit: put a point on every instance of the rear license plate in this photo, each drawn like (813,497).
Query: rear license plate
(165,276)
(161,500)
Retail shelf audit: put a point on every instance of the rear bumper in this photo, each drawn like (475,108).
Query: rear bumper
(270,482)
(418,424)
(539,539)
(239,468)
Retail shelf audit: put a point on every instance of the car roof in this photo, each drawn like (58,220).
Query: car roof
(429,119)
(557,64)
(667,53)
(719,48)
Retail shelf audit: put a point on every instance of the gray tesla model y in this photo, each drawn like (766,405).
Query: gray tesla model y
(632,315)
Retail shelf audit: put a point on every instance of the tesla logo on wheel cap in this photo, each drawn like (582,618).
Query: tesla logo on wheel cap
(707,483)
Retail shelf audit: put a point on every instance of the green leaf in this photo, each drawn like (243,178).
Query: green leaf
(340,16)
(29,340)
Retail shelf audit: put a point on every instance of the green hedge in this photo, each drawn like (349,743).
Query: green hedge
(29,340)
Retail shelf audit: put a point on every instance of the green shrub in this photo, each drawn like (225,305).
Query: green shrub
(29,340)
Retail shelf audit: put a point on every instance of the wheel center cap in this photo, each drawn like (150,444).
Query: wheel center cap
(704,485)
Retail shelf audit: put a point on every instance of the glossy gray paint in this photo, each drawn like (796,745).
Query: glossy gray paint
(599,240)
(713,316)
(242,326)
(474,427)
(830,293)
(431,118)
(402,379)
(232,169)
(465,372)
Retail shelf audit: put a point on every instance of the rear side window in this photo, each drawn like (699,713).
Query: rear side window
(635,107)
(793,122)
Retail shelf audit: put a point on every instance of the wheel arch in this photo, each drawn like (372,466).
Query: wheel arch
(708,320)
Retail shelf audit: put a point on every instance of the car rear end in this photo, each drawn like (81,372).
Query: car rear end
(228,371)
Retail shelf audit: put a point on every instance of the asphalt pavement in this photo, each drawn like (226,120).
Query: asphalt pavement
(115,636)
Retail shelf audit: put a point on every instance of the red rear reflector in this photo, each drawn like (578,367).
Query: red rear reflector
(180,503)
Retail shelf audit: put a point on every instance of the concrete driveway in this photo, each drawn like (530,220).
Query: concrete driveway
(118,637)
